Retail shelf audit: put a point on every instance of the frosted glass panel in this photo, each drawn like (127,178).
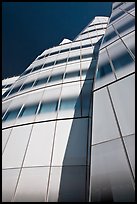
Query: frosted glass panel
(111,179)
(40,145)
(15,149)
(9,180)
(32,185)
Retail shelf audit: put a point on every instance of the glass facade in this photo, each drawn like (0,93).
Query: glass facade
(68,120)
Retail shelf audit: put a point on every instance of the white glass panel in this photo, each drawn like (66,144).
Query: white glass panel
(104,123)
(9,179)
(69,91)
(68,184)
(130,41)
(32,185)
(5,136)
(40,145)
(16,146)
(130,147)
(69,134)
(121,59)
(111,179)
(104,73)
(123,96)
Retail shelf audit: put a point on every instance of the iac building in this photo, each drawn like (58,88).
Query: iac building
(68,124)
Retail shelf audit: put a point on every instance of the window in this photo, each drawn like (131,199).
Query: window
(48,64)
(72,74)
(41,57)
(75,48)
(41,81)
(74,58)
(37,68)
(103,70)
(5,94)
(87,55)
(28,110)
(109,36)
(118,5)
(56,77)
(11,114)
(70,103)
(26,72)
(117,16)
(15,90)
(84,46)
(126,26)
(65,50)
(27,85)
(130,7)
(61,61)
(54,53)
(49,106)
(122,60)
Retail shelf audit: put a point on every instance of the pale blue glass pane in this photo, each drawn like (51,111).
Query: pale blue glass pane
(28,110)
(70,103)
(11,114)
(50,106)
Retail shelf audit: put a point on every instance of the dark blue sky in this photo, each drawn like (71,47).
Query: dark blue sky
(28,28)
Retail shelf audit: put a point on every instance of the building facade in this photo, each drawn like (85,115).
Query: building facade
(68,122)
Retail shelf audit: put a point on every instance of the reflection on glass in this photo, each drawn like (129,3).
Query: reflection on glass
(48,64)
(61,61)
(11,114)
(117,16)
(28,110)
(126,26)
(56,77)
(111,177)
(103,70)
(74,58)
(49,106)
(122,60)
(14,90)
(72,74)
(109,36)
(70,103)
(41,81)
(27,85)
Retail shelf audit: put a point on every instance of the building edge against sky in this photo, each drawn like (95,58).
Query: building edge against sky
(68,120)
